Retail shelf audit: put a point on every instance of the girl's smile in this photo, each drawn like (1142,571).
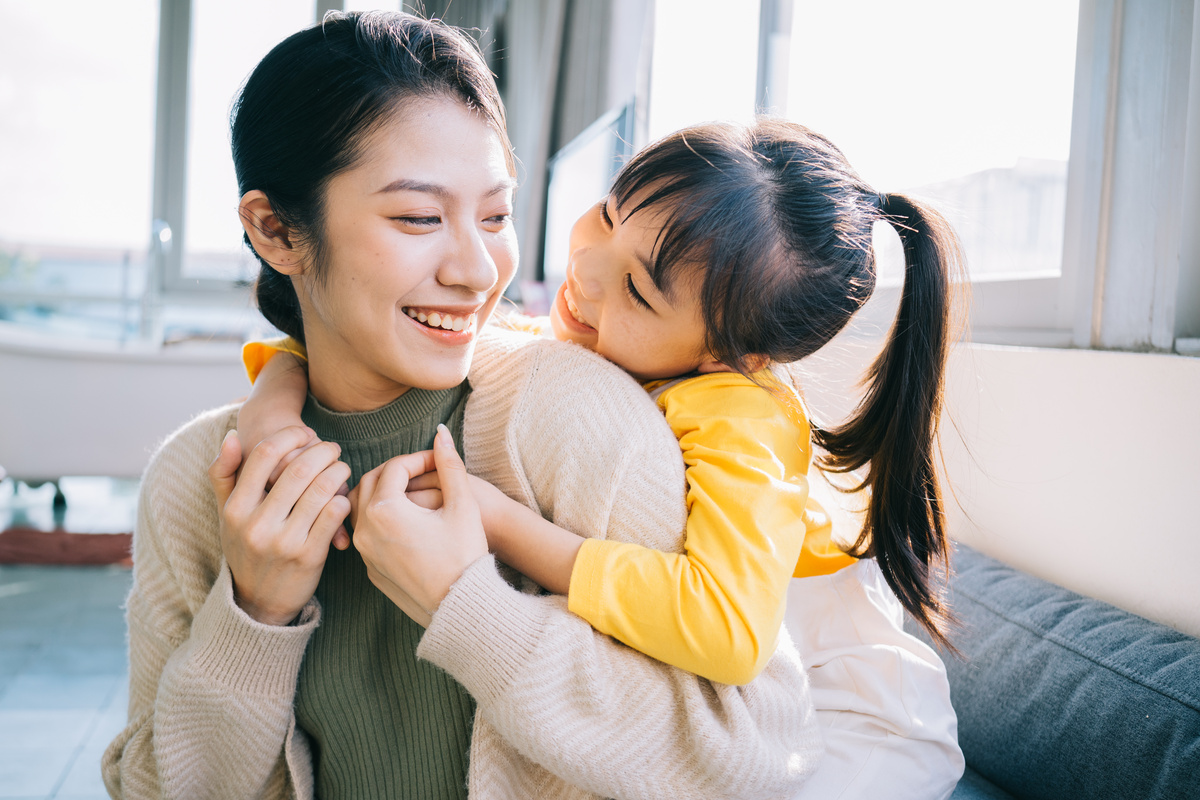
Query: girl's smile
(610,304)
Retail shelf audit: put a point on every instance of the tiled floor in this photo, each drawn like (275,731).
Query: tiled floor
(63,678)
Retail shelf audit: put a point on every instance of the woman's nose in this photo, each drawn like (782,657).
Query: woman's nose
(469,264)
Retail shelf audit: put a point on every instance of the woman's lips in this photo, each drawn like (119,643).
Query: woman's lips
(447,327)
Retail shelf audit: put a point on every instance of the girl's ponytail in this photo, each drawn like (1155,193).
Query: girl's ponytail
(894,429)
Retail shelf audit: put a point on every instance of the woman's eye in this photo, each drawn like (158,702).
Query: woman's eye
(420,222)
(633,293)
(500,219)
(604,213)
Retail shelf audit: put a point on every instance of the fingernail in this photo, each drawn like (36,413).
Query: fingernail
(443,436)
(228,434)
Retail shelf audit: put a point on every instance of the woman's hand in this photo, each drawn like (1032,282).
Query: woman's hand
(414,554)
(276,542)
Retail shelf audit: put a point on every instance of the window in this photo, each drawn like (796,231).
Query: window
(76,128)
(704,65)
(228,37)
(966,105)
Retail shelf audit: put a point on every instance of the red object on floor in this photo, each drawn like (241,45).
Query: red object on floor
(29,546)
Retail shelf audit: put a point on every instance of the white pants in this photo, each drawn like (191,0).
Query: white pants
(881,694)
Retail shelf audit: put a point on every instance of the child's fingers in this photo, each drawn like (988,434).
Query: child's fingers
(428,480)
(426,498)
(394,475)
(222,473)
(341,538)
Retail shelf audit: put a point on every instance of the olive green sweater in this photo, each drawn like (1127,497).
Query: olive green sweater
(381,723)
(561,710)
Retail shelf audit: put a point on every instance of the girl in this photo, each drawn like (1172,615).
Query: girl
(721,252)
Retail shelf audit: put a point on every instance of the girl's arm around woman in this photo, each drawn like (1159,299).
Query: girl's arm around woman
(569,434)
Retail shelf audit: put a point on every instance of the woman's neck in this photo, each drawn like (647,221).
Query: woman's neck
(340,385)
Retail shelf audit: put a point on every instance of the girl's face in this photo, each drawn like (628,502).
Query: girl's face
(609,304)
(419,247)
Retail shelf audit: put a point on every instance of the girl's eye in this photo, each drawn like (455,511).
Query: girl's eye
(632,291)
(604,213)
(500,219)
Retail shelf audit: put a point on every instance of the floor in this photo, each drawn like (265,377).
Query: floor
(63,667)
(63,678)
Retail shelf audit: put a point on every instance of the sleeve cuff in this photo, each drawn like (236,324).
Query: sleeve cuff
(255,355)
(585,598)
(484,632)
(244,655)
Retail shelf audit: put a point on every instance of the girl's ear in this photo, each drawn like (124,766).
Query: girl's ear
(267,233)
(754,363)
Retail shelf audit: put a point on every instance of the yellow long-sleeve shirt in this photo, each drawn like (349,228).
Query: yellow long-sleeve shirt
(716,608)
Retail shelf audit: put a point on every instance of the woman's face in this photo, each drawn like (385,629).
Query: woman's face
(419,246)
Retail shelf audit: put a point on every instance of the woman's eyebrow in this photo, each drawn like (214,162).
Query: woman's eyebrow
(441,192)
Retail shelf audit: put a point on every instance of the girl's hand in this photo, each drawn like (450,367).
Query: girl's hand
(426,491)
(414,554)
(274,404)
(276,542)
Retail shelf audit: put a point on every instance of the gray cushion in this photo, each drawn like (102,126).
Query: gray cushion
(1062,696)
(974,786)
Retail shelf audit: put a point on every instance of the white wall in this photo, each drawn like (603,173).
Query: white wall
(1081,467)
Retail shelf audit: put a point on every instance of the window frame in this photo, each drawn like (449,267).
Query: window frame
(1112,172)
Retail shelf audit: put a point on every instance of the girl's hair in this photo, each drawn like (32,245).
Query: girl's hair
(775,227)
(305,111)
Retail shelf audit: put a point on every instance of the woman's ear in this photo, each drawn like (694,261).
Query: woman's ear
(268,235)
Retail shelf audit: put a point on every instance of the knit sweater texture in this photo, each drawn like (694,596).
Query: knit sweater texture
(381,722)
(562,710)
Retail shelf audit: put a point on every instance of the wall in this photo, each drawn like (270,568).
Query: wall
(1081,467)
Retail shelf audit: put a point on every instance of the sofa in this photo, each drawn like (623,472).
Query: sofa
(1062,696)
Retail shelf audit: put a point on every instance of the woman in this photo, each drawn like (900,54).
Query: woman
(377,182)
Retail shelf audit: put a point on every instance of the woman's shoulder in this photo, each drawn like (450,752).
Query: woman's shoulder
(545,419)
(185,455)
(508,362)
(178,531)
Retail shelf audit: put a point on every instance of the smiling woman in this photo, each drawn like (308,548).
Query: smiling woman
(376,183)
(433,193)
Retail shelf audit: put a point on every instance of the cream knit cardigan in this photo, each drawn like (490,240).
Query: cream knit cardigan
(563,711)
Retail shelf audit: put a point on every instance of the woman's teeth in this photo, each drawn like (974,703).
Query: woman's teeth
(446,322)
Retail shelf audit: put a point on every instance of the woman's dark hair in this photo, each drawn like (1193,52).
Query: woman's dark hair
(306,109)
(775,226)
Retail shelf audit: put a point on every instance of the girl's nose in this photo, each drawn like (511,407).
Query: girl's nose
(588,281)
